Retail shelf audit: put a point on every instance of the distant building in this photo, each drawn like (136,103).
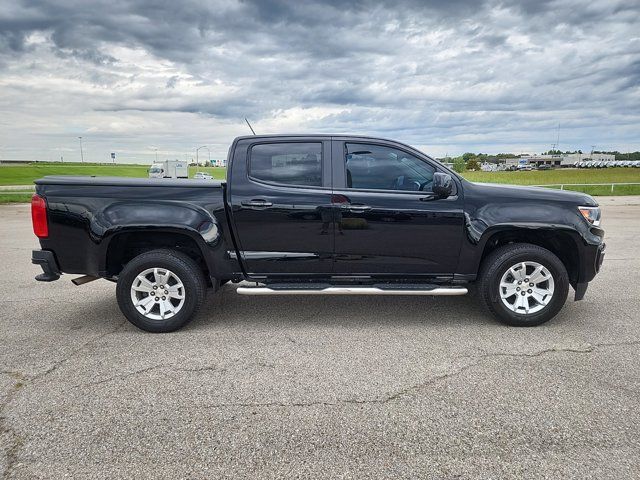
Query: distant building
(537,160)
(568,159)
(219,163)
(512,162)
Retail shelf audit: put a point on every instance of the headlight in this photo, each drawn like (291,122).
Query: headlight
(591,215)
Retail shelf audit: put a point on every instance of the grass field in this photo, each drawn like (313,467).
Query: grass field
(13,174)
(15,197)
(568,176)
(543,177)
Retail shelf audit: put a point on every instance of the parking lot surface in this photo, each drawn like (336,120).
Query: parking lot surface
(318,387)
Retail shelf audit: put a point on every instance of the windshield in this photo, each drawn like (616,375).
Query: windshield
(155,170)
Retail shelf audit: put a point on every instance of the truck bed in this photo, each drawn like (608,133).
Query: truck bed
(89,217)
(127,181)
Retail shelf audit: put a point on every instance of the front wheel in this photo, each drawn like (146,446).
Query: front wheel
(160,290)
(523,285)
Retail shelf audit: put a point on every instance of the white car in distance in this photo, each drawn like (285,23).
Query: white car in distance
(202,176)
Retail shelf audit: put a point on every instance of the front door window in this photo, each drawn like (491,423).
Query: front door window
(377,167)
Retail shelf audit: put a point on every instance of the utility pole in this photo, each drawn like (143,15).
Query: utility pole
(197,149)
(81,153)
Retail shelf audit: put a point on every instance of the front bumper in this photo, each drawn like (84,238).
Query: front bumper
(600,256)
(581,287)
(47,261)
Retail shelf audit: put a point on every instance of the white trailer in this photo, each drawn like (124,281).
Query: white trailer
(169,169)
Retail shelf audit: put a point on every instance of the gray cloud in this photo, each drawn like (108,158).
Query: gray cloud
(456,75)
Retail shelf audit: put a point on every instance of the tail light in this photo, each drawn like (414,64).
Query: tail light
(39,216)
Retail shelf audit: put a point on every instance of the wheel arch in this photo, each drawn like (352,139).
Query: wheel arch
(125,244)
(562,242)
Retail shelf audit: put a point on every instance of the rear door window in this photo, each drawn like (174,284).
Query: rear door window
(294,163)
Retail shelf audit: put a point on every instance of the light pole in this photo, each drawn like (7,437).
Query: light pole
(197,149)
(155,149)
(81,153)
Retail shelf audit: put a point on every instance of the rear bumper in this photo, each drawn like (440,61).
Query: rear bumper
(50,269)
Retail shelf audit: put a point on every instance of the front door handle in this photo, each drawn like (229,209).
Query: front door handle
(358,208)
(257,203)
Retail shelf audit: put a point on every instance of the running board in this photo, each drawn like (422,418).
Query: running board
(442,291)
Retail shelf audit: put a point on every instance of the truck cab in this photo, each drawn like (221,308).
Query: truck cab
(156,170)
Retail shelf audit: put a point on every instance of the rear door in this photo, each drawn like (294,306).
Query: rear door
(388,221)
(280,196)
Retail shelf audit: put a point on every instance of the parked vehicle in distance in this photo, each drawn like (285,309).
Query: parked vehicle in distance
(319,215)
(544,167)
(169,169)
(202,176)
(525,167)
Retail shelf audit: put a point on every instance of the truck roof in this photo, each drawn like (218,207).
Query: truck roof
(330,135)
(316,135)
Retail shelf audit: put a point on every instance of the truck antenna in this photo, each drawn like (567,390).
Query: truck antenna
(245,119)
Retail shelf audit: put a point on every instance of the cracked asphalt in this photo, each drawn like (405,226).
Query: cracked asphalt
(318,387)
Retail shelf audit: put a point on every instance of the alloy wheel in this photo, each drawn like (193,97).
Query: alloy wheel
(157,293)
(526,287)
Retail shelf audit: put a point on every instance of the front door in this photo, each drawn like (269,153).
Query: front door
(280,194)
(388,223)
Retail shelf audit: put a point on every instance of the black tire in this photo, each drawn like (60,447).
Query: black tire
(184,267)
(495,266)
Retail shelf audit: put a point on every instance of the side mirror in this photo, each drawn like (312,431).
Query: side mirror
(442,184)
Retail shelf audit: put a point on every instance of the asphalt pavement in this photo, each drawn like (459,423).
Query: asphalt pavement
(318,387)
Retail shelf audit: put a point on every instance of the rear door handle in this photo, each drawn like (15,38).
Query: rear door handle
(358,208)
(257,203)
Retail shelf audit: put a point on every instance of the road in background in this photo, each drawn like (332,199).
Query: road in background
(319,387)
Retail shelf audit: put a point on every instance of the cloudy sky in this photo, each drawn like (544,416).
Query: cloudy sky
(445,76)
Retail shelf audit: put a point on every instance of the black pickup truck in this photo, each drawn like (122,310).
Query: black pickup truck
(319,215)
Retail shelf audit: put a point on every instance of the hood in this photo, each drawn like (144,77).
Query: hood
(515,192)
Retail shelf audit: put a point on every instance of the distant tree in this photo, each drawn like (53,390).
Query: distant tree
(458,164)
(473,165)
(468,156)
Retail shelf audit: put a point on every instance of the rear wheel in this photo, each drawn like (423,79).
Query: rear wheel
(160,290)
(523,285)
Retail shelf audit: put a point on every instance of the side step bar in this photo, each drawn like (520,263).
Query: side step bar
(349,290)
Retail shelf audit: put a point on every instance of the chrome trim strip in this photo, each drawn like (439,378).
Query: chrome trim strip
(254,255)
(442,291)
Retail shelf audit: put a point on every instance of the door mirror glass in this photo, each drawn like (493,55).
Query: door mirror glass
(442,184)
